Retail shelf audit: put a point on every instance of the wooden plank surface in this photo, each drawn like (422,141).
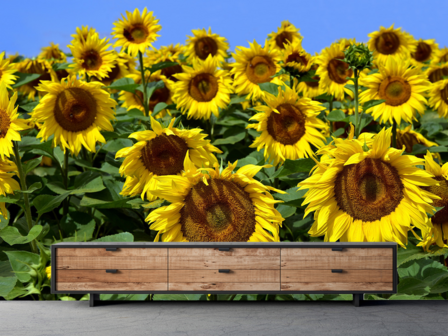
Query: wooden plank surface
(214,252)
(316,262)
(337,286)
(346,276)
(229,262)
(111,286)
(121,276)
(234,276)
(346,252)
(120,252)
(111,263)
(223,286)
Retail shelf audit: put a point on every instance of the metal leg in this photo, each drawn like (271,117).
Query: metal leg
(357,299)
(94,298)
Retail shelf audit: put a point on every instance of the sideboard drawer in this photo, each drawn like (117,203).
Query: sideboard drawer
(250,276)
(319,276)
(223,286)
(213,258)
(327,258)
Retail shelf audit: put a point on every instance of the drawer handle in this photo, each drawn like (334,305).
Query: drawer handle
(111,271)
(224,271)
(111,249)
(224,248)
(336,271)
(337,249)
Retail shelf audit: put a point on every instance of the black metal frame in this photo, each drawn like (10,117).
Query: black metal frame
(94,295)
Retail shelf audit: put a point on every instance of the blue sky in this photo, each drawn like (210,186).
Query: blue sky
(27,26)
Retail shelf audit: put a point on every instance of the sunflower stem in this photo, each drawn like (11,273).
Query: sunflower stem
(330,108)
(357,117)
(394,134)
(142,70)
(65,179)
(23,186)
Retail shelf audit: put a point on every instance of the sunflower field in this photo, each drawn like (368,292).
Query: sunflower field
(119,141)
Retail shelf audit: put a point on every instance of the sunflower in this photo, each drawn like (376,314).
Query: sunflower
(10,123)
(42,67)
(8,169)
(287,33)
(82,34)
(294,56)
(310,89)
(161,95)
(129,62)
(441,56)
(288,125)
(439,233)
(424,51)
(162,152)
(333,72)
(48,272)
(202,89)
(118,70)
(408,138)
(53,53)
(438,97)
(367,195)
(391,43)
(136,32)
(402,87)
(203,43)
(436,72)
(253,66)
(92,57)
(214,205)
(6,71)
(74,112)
(169,53)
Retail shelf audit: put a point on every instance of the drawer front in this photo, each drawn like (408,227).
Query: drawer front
(102,263)
(223,286)
(119,276)
(233,276)
(111,286)
(212,258)
(119,252)
(338,286)
(326,276)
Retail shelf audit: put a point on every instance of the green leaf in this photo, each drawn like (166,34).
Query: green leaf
(293,196)
(124,237)
(44,148)
(17,259)
(61,66)
(432,128)
(412,286)
(100,204)
(124,84)
(7,285)
(46,203)
(270,88)
(297,166)
(325,97)
(12,236)
(338,132)
(160,66)
(31,188)
(29,107)
(115,145)
(286,210)
(137,114)
(237,100)
(31,164)
(336,115)
(231,139)
(178,297)
(4,222)
(88,182)
(371,103)
(421,149)
(246,161)
(151,87)
(159,107)
(10,199)
(24,78)
(366,119)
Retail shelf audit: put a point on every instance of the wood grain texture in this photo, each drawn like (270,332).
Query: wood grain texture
(121,276)
(229,262)
(315,262)
(337,286)
(346,252)
(111,286)
(234,276)
(111,263)
(214,252)
(327,276)
(223,286)
(120,252)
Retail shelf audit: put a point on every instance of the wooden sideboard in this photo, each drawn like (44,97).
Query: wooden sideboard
(224,268)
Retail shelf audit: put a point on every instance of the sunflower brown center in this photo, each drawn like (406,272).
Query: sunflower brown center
(368,190)
(221,211)
(423,52)
(75,109)
(165,154)
(297,58)
(406,139)
(338,70)
(260,69)
(315,77)
(283,38)
(136,34)
(159,96)
(444,58)
(92,60)
(395,90)
(205,46)
(444,94)
(288,126)
(387,43)
(172,70)
(203,87)
(5,122)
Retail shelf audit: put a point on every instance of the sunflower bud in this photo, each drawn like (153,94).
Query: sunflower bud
(358,56)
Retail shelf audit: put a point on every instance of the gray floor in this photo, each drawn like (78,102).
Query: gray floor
(408,318)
